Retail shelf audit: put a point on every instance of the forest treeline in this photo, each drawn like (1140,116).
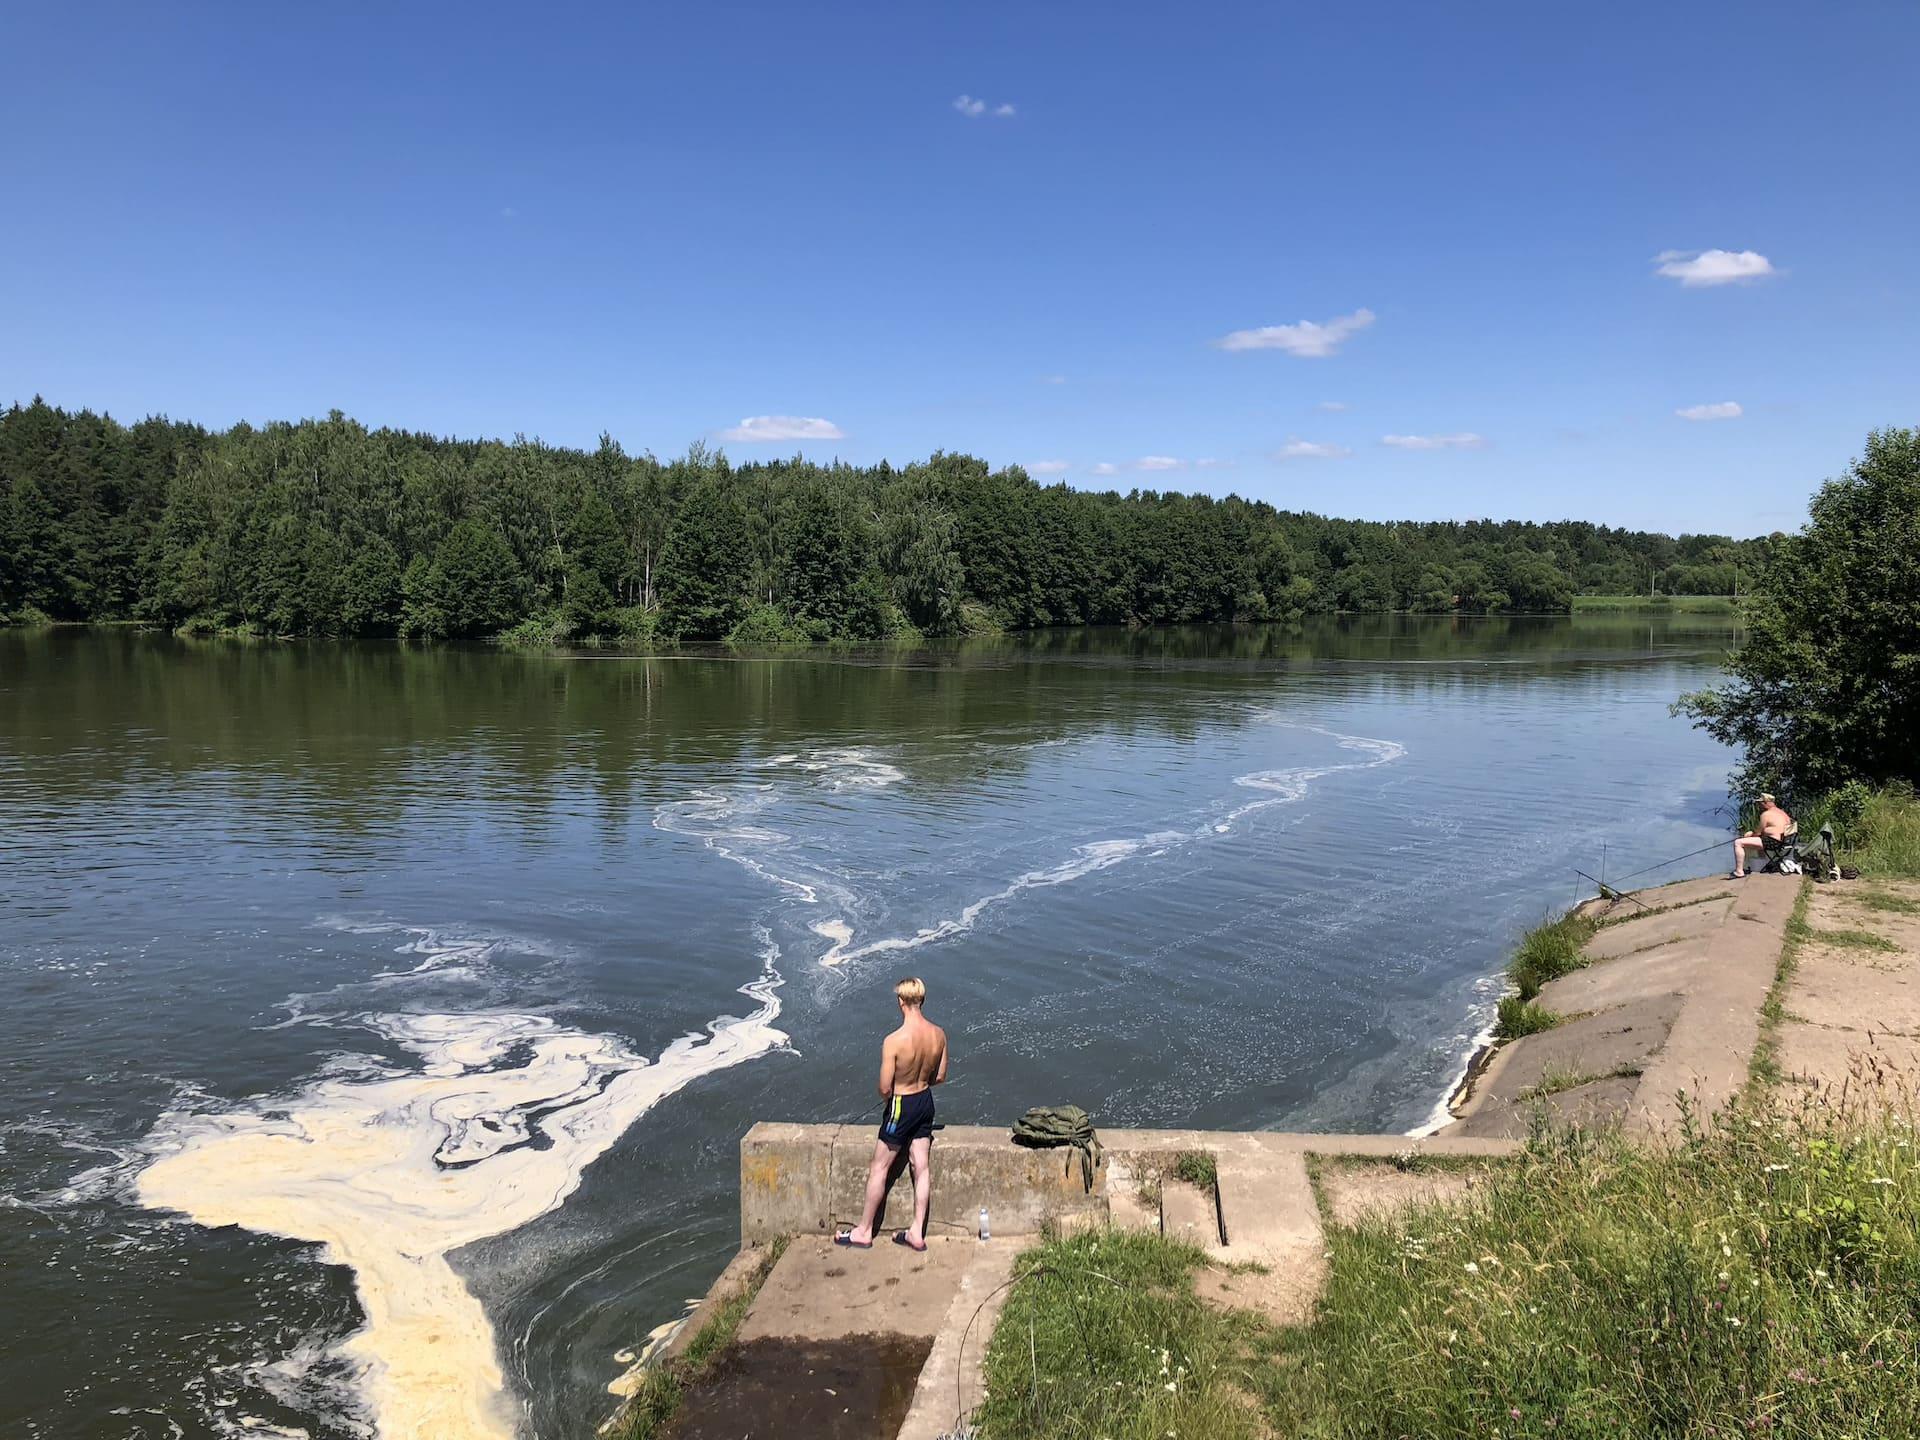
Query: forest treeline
(327,528)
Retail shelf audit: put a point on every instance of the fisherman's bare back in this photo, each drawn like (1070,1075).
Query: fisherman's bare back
(914,1057)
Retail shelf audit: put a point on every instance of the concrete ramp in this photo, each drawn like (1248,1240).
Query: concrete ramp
(1665,1017)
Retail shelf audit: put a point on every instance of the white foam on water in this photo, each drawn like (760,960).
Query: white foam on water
(1099,855)
(1441,1116)
(1280,787)
(846,768)
(391,1168)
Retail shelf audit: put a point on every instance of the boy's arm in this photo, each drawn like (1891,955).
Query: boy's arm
(886,1067)
(941,1077)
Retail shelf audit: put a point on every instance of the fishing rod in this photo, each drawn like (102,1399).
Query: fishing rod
(1607,890)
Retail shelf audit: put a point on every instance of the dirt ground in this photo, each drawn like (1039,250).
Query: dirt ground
(1850,1023)
(850,1389)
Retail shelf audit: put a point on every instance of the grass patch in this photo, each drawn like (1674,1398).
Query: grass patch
(1755,1278)
(1549,951)
(1886,902)
(1555,1080)
(1854,940)
(661,1387)
(1103,1336)
(1523,1017)
(1763,1067)
(1196,1167)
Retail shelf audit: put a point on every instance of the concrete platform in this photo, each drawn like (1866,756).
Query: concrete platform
(820,1291)
(1670,1007)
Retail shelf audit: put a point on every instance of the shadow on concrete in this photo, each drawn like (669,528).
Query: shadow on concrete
(855,1388)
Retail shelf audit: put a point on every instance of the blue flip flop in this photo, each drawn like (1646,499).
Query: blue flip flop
(845,1238)
(901,1239)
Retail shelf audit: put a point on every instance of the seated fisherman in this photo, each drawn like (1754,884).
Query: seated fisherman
(1776,828)
(913,1059)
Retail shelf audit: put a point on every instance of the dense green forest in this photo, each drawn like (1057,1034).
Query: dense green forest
(327,528)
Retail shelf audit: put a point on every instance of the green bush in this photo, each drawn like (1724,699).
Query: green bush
(1547,952)
(1522,1017)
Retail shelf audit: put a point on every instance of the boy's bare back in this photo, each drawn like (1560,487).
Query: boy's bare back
(915,1056)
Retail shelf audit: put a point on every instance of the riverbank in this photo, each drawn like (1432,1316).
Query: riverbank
(1659,604)
(1680,1198)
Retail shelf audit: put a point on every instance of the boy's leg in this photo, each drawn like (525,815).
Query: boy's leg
(862,1234)
(921,1154)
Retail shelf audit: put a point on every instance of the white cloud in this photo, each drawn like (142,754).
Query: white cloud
(1159,462)
(1332,407)
(1106,468)
(1296,449)
(1693,268)
(973,109)
(1309,339)
(1719,410)
(1211,464)
(1465,440)
(1048,467)
(760,429)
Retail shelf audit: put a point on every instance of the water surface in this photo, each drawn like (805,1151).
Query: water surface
(382,1022)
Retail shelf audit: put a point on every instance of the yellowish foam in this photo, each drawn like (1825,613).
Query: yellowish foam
(391,1171)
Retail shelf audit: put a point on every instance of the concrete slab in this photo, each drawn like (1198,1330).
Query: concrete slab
(951,1383)
(1709,1053)
(1125,1209)
(820,1291)
(784,1180)
(1595,1045)
(1188,1213)
(1603,1102)
(1629,935)
(1607,983)
(1849,988)
(1267,1204)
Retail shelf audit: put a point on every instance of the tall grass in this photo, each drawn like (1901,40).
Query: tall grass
(1877,831)
(1547,952)
(1759,1278)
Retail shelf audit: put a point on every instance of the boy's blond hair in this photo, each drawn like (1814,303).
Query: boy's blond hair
(912,990)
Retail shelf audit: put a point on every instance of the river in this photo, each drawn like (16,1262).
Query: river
(382,1022)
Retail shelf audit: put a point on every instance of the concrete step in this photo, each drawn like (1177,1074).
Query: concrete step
(1189,1213)
(1125,1209)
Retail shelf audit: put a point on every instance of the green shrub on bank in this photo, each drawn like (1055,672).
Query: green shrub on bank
(1547,952)
(1522,1017)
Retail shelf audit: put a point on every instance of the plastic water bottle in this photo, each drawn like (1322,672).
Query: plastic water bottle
(985,1233)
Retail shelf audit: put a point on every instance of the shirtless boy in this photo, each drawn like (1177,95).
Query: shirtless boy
(913,1059)
(1775,824)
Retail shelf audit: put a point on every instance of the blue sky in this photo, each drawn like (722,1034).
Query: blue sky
(663,221)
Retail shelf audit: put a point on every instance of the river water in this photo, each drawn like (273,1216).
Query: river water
(381,1023)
